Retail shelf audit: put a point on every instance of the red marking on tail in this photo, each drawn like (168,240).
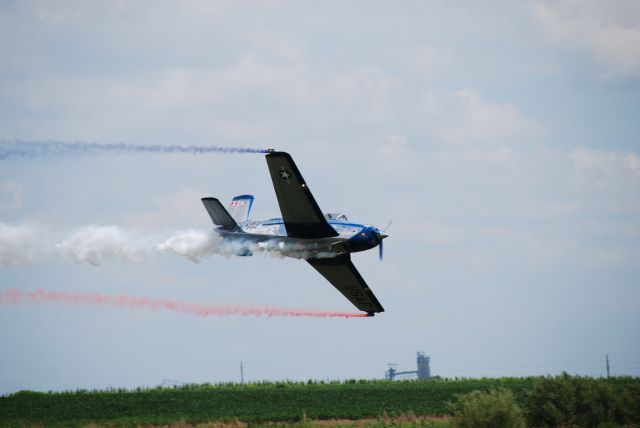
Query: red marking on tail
(13,296)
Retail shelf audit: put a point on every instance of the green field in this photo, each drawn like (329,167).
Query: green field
(254,403)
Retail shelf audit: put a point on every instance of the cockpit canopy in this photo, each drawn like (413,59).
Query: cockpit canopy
(336,216)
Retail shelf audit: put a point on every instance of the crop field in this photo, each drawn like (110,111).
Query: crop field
(256,403)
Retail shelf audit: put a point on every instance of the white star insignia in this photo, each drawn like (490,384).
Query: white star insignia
(285,175)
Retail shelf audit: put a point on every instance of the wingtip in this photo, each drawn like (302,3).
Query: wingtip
(373,314)
(277,153)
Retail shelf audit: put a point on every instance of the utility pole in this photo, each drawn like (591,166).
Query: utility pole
(241,373)
(608,373)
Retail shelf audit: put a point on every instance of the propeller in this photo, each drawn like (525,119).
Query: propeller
(381,237)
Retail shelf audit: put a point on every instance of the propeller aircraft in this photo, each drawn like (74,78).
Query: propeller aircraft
(325,241)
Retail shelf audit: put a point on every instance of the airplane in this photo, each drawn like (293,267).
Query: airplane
(325,241)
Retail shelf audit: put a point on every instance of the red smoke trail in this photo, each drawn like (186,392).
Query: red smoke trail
(13,296)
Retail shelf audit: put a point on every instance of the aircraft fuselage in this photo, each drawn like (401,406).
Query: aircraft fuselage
(272,234)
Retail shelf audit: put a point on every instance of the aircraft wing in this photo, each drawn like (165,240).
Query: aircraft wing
(300,212)
(343,275)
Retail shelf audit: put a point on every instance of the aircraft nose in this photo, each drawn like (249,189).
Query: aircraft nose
(368,237)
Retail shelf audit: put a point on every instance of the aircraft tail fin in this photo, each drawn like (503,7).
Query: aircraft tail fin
(219,215)
(240,207)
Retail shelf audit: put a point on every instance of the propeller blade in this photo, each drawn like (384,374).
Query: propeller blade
(380,249)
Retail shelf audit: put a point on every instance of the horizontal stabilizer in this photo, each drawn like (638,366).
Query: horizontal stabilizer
(219,215)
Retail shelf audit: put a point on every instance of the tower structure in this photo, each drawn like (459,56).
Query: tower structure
(423,371)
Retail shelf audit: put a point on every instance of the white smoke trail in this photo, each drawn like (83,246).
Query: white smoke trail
(37,149)
(97,244)
(194,245)
(22,244)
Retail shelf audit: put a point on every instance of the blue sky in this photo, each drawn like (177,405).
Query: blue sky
(502,139)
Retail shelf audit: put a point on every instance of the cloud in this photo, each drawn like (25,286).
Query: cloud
(459,129)
(476,120)
(246,101)
(396,158)
(10,196)
(171,210)
(421,58)
(606,181)
(604,168)
(20,244)
(610,31)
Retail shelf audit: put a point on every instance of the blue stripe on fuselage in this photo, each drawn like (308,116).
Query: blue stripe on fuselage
(278,221)
(341,227)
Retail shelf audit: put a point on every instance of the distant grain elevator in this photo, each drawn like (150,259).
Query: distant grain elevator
(423,371)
